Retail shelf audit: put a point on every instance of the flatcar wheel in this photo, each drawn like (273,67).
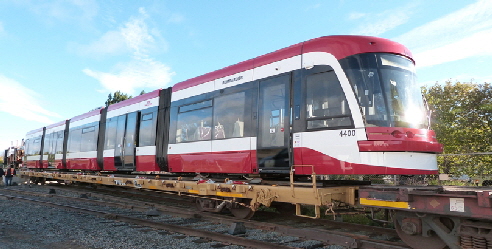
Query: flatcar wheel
(418,241)
(241,212)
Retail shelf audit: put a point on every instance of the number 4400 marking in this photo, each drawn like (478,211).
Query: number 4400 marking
(347,133)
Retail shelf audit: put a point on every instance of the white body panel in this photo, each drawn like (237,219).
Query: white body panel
(405,160)
(32,158)
(278,67)
(234,80)
(329,142)
(193,91)
(87,154)
(145,151)
(264,71)
(232,144)
(108,153)
(192,147)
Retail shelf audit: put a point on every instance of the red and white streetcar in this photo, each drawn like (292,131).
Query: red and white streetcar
(344,105)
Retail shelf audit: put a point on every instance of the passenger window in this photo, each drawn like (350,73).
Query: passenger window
(59,143)
(27,142)
(74,142)
(53,138)
(326,105)
(110,133)
(47,144)
(37,146)
(88,139)
(229,116)
(194,124)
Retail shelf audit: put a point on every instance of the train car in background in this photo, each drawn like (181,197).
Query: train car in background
(14,155)
(33,145)
(344,105)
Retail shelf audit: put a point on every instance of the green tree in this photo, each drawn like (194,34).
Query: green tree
(117,97)
(461,117)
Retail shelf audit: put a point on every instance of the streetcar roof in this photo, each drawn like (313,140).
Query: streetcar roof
(339,46)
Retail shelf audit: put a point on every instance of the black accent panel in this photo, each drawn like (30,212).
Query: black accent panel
(65,143)
(101,138)
(41,150)
(162,138)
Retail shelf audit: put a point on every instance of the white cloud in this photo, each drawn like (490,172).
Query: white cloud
(111,43)
(22,102)
(377,24)
(141,70)
(136,34)
(477,44)
(137,73)
(462,34)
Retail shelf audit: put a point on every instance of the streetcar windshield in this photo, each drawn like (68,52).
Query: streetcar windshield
(386,88)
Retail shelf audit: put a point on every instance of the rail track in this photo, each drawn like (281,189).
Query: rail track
(159,211)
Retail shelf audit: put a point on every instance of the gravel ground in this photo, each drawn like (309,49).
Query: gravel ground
(30,226)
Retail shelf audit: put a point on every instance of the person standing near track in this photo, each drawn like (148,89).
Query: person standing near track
(9,174)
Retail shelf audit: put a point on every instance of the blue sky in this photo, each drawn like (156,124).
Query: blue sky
(60,58)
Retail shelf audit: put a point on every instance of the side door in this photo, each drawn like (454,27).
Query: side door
(130,141)
(124,153)
(274,125)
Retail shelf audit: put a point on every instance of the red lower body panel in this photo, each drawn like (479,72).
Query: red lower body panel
(109,164)
(82,164)
(147,163)
(33,164)
(58,164)
(236,162)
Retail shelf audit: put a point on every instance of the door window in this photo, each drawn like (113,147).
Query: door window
(148,126)
(273,114)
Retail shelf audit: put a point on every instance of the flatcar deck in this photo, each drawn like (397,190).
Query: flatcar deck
(249,195)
